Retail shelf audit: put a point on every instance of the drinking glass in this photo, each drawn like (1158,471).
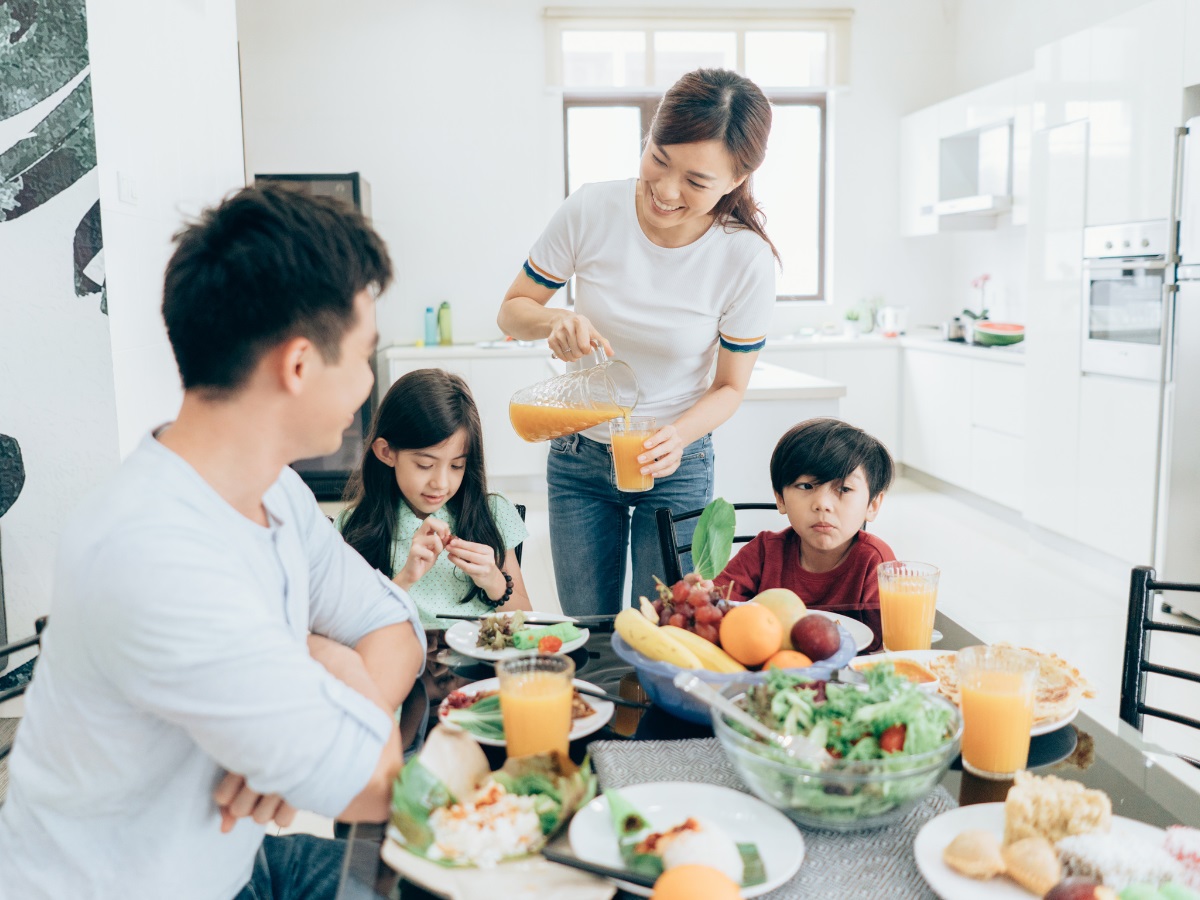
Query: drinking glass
(996,685)
(629,434)
(907,603)
(535,703)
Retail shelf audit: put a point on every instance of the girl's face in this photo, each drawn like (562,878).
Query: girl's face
(680,184)
(430,476)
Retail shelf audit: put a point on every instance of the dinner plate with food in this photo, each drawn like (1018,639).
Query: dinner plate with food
(475,708)
(1060,687)
(912,664)
(1056,839)
(655,827)
(503,635)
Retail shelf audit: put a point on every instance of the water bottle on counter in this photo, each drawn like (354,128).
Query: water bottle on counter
(444,336)
(431,327)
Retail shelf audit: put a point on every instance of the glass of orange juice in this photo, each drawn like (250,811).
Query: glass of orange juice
(629,435)
(997,686)
(907,603)
(535,702)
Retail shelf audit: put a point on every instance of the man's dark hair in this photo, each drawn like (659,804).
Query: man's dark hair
(829,450)
(266,265)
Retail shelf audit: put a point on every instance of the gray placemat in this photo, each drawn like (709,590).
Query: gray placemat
(841,865)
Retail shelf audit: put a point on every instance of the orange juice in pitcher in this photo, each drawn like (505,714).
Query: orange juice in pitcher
(541,423)
(575,401)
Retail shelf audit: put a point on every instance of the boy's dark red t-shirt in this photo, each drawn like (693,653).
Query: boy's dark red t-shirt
(772,560)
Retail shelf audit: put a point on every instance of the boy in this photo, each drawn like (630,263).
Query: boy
(829,479)
(217,656)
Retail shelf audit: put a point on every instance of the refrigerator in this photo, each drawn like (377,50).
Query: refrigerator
(1177,543)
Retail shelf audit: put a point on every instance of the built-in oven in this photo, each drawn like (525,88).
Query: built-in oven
(1125,269)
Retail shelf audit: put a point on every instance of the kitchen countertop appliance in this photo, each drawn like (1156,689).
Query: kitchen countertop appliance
(1125,271)
(1177,532)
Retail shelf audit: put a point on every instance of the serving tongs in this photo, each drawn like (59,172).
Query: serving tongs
(797,746)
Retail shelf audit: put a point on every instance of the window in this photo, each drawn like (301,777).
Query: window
(613,68)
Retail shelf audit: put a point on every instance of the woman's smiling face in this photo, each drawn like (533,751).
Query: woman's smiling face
(678,187)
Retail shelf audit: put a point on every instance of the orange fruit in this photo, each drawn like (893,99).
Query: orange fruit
(695,882)
(788,659)
(751,633)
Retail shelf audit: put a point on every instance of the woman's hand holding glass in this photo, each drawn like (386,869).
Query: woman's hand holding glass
(431,538)
(664,452)
(572,337)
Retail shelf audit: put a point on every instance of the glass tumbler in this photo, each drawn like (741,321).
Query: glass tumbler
(907,603)
(997,686)
(535,703)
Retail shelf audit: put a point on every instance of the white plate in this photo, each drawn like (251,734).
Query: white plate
(862,634)
(461,636)
(949,885)
(665,804)
(579,727)
(924,656)
(919,656)
(531,878)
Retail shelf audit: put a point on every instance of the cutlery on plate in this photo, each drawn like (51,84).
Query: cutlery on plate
(529,617)
(796,746)
(849,675)
(564,859)
(611,698)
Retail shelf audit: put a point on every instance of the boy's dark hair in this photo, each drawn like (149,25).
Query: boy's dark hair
(264,266)
(829,450)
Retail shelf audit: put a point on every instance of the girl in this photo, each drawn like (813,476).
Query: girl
(674,270)
(419,509)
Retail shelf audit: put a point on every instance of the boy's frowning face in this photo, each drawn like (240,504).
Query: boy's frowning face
(828,516)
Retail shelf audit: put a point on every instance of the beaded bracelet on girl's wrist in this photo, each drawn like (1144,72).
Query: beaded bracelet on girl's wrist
(503,598)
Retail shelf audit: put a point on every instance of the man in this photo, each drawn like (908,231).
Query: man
(217,656)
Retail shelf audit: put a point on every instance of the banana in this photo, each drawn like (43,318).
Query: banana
(647,609)
(710,655)
(649,640)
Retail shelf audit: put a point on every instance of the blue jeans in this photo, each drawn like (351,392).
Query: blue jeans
(295,867)
(591,525)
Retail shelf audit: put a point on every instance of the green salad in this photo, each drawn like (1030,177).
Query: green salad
(890,742)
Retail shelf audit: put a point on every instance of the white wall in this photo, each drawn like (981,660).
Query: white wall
(444,110)
(168,143)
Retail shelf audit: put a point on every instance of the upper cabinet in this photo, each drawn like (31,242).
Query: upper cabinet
(1061,76)
(919,172)
(1191,43)
(1136,81)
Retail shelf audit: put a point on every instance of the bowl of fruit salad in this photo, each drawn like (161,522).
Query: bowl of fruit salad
(729,645)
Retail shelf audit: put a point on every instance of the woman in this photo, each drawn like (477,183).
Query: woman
(671,269)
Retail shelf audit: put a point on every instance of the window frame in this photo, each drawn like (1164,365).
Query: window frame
(647,100)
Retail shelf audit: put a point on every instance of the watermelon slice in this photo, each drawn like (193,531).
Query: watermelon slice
(998,333)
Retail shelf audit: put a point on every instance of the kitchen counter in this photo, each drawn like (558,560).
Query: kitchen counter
(931,340)
(772,382)
(482,350)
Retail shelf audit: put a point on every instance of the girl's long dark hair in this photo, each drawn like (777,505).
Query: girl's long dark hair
(719,105)
(422,409)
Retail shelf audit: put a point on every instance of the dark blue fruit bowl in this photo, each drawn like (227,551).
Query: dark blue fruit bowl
(658,678)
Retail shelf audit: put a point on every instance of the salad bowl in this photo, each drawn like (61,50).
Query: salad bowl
(850,794)
(658,678)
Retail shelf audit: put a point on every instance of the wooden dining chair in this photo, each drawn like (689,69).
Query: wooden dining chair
(521,546)
(668,536)
(1143,586)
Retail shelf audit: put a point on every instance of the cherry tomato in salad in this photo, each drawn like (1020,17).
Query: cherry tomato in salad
(892,739)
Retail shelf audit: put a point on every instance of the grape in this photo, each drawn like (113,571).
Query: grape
(689,612)
(707,615)
(708,632)
(697,598)
(664,618)
(706,584)
(691,578)
(679,591)
(677,620)
(720,614)
(658,606)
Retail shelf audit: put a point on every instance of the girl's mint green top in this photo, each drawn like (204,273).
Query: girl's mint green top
(444,585)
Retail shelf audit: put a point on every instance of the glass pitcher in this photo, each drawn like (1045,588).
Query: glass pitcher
(575,401)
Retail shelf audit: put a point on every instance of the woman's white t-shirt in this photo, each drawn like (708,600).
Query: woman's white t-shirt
(665,310)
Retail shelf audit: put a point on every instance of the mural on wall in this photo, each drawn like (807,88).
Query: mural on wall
(45,50)
(47,146)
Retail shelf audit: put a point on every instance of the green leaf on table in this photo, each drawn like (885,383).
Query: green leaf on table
(753,870)
(416,793)
(482,718)
(712,542)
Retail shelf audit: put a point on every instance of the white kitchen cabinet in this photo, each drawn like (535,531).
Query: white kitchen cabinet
(998,396)
(1136,81)
(872,379)
(997,431)
(1191,43)
(1022,140)
(991,104)
(1117,425)
(919,172)
(935,415)
(1060,81)
(808,360)
(493,376)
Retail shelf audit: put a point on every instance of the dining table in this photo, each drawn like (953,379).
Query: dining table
(1144,781)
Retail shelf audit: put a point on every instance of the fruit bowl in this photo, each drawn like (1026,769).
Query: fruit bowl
(658,678)
(849,795)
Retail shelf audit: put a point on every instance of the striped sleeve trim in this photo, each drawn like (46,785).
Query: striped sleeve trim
(541,278)
(743,345)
